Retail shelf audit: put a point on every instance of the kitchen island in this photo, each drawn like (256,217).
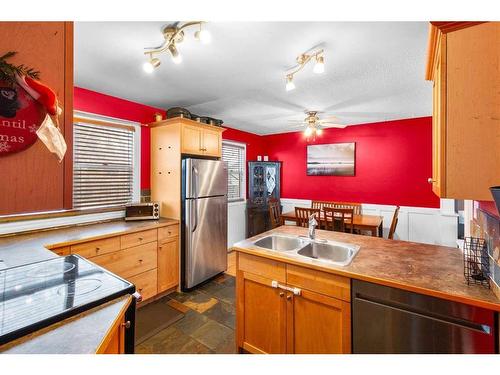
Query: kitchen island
(309,295)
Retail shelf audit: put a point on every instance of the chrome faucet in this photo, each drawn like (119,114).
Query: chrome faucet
(312,227)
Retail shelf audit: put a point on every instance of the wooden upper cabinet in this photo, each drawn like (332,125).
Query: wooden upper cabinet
(192,139)
(464,65)
(195,138)
(212,142)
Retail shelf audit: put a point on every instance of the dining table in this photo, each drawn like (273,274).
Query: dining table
(371,223)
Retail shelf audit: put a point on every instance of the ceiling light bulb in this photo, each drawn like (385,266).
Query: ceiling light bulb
(319,67)
(319,131)
(148,67)
(289,83)
(308,131)
(176,57)
(203,36)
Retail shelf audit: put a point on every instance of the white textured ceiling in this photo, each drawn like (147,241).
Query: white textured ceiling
(374,70)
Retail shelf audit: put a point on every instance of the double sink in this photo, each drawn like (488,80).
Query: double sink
(331,252)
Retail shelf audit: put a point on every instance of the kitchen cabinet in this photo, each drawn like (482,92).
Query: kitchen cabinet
(283,308)
(172,139)
(114,340)
(168,263)
(194,138)
(148,258)
(463,65)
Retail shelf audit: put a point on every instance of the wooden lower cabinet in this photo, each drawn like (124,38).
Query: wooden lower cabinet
(145,283)
(168,264)
(317,324)
(277,317)
(114,341)
(261,317)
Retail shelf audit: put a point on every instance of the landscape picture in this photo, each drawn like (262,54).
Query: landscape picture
(336,159)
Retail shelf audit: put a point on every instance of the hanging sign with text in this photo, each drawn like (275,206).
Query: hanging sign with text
(20,118)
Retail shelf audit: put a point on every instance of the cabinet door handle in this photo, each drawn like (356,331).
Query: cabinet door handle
(289,297)
(140,238)
(127,324)
(294,290)
(430,180)
(282,294)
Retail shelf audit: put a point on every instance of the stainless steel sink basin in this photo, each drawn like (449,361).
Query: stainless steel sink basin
(280,243)
(338,254)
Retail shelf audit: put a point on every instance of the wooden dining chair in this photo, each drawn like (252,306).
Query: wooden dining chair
(302,215)
(355,206)
(394,224)
(320,204)
(274,212)
(341,219)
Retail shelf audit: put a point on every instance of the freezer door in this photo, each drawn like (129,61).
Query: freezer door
(204,178)
(206,239)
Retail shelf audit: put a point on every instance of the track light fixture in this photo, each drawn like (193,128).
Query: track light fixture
(302,60)
(174,35)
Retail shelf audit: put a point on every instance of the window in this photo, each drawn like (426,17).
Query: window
(234,155)
(105,163)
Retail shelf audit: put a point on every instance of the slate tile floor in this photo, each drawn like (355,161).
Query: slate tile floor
(208,323)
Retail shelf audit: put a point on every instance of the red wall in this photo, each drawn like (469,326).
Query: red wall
(393,163)
(106,105)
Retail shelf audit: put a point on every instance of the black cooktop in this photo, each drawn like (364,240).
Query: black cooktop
(39,294)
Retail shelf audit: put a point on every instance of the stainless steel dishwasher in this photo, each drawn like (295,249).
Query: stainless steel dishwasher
(394,321)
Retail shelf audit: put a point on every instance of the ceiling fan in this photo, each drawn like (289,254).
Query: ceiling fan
(315,125)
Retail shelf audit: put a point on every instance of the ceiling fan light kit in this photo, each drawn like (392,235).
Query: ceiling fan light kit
(174,35)
(302,60)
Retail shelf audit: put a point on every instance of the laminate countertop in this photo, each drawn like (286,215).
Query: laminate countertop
(20,249)
(426,269)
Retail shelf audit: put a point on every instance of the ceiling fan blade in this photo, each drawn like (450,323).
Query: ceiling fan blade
(331,125)
(296,122)
(326,118)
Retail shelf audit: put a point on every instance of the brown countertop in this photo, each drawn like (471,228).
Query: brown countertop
(427,269)
(32,247)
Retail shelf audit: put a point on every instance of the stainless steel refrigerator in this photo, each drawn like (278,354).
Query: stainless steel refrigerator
(204,220)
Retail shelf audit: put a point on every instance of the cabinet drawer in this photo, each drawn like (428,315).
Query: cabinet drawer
(139,238)
(320,282)
(98,247)
(130,262)
(166,233)
(62,251)
(145,283)
(263,267)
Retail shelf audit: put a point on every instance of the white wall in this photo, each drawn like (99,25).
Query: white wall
(418,224)
(236,222)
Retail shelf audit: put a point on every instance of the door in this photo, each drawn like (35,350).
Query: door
(168,264)
(317,324)
(204,178)
(191,140)
(206,239)
(261,315)
(212,142)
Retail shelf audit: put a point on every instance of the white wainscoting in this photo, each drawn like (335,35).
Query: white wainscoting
(417,224)
(236,222)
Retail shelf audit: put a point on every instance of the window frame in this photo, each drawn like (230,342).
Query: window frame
(136,165)
(243,196)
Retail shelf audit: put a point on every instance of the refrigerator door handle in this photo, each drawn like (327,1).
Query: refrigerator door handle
(194,203)
(194,186)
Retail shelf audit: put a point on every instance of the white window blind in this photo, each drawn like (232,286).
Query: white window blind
(103,165)
(234,156)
